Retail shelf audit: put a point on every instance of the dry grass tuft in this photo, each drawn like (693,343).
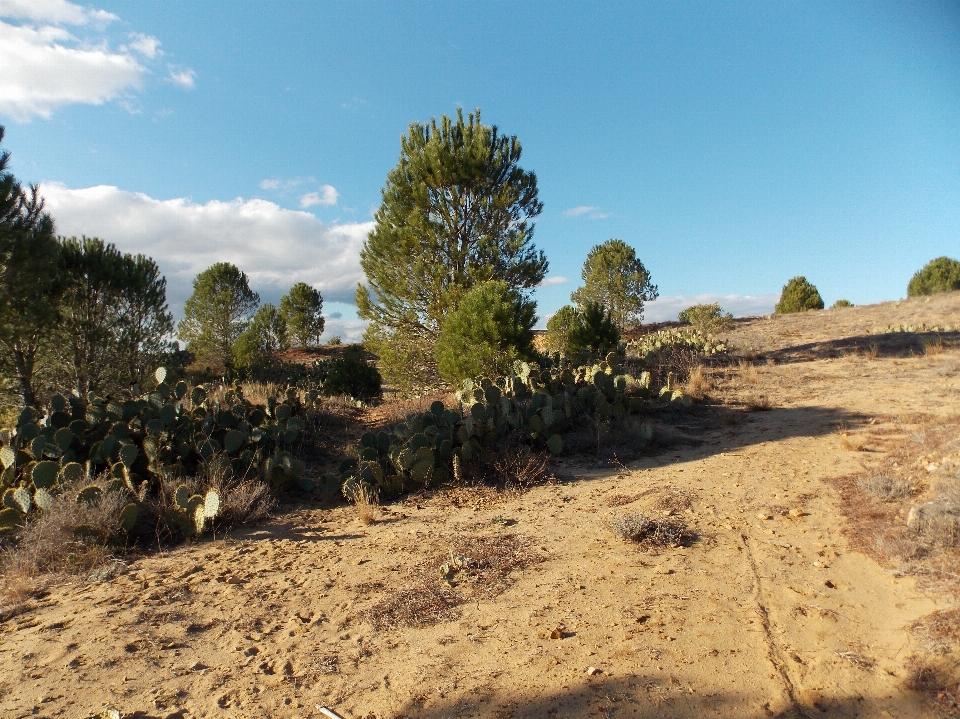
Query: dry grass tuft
(886,486)
(939,631)
(730,418)
(367,502)
(933,347)
(758,402)
(652,532)
(477,567)
(749,374)
(673,501)
(697,384)
(851,444)
(872,352)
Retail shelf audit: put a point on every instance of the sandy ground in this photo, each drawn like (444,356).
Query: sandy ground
(765,613)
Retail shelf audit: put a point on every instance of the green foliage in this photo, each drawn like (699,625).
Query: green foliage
(939,275)
(28,280)
(841,303)
(457,211)
(350,374)
(335,341)
(615,278)
(559,328)
(706,318)
(594,330)
(217,312)
(265,335)
(798,296)
(113,317)
(145,444)
(490,329)
(301,308)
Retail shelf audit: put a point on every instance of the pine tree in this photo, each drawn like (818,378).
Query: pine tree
(28,279)
(615,278)
(457,211)
(217,312)
(301,307)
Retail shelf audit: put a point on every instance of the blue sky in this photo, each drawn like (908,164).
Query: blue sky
(733,144)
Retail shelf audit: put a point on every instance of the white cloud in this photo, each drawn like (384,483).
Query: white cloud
(146,45)
(555,280)
(276,247)
(270,184)
(326,196)
(348,331)
(595,213)
(184,78)
(41,73)
(57,12)
(665,309)
(44,67)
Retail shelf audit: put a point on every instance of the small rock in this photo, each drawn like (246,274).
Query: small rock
(592,670)
(556,634)
(235,580)
(820,565)
(664,570)
(198,667)
(764,515)
(829,585)
(797,513)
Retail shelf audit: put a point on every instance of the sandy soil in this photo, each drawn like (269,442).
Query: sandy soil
(765,613)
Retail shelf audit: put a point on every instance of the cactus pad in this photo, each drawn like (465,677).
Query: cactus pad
(44,474)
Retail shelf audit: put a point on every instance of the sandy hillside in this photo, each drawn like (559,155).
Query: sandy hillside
(765,609)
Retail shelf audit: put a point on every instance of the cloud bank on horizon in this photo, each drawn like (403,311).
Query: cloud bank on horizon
(46,66)
(275,246)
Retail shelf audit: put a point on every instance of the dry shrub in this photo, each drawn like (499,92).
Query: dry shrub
(518,465)
(872,352)
(697,384)
(652,532)
(478,566)
(673,501)
(885,486)
(933,347)
(46,543)
(758,402)
(940,630)
(749,374)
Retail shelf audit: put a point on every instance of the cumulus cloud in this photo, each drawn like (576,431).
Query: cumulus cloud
(56,12)
(326,196)
(184,78)
(45,66)
(41,72)
(146,45)
(665,309)
(555,280)
(276,247)
(348,331)
(594,213)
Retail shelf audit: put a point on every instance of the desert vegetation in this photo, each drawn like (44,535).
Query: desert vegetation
(671,485)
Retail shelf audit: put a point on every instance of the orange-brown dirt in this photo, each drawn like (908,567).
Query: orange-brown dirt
(769,611)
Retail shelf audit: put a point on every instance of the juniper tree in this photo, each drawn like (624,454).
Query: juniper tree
(457,211)
(939,275)
(798,295)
